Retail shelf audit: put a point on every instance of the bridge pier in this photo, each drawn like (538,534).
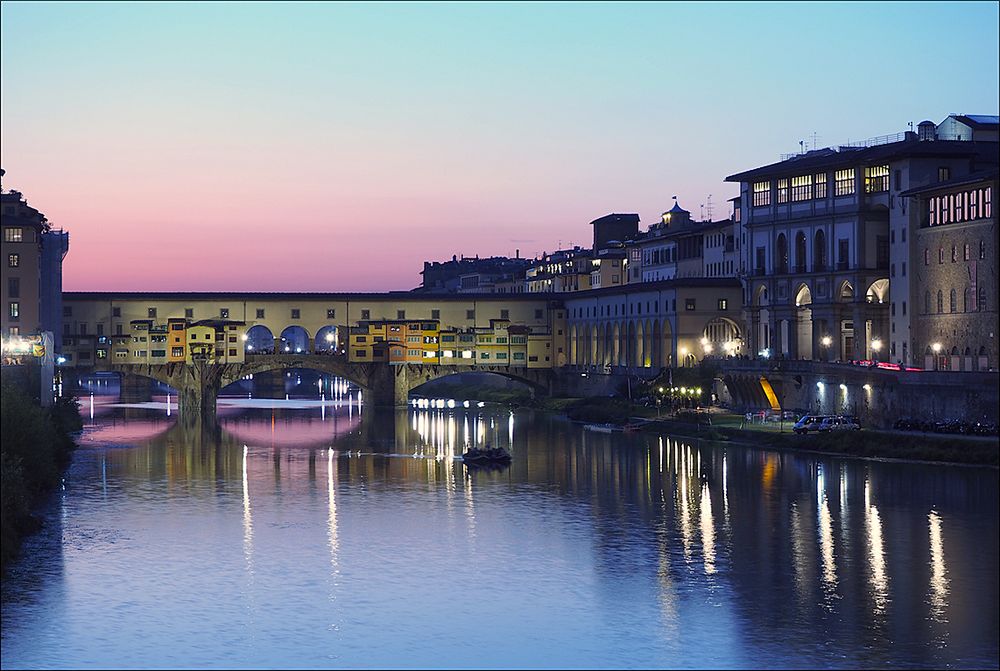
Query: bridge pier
(198,390)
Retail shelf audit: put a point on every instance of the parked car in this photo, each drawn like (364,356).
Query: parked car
(809,423)
(840,423)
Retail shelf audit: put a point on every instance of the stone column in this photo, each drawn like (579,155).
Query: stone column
(859,315)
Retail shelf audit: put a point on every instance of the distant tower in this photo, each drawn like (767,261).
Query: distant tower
(708,207)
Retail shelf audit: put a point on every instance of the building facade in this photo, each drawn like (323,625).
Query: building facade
(954,318)
(825,242)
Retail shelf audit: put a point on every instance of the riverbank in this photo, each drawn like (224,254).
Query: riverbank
(867,443)
(729,427)
(35,447)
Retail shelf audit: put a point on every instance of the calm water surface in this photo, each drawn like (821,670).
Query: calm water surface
(308,533)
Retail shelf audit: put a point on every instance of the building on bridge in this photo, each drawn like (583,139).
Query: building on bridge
(826,242)
(315,322)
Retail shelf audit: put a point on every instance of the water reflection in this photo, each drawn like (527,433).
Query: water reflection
(603,548)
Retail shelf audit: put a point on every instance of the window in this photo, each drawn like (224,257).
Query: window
(927,256)
(761,194)
(100,329)
(115,312)
(801,188)
(331,313)
(904,308)
(876,179)
(366,314)
(897,178)
(224,313)
(783,190)
(505,314)
(360,353)
(435,314)
(944,174)
(177,327)
(232,352)
(723,305)
(118,329)
(470,314)
(13,234)
(189,313)
(982,250)
(966,253)
(940,302)
(820,182)
(296,313)
(14,310)
(843,182)
(13,260)
(760,261)
(843,250)
(260,313)
(689,304)
(954,253)
(151,312)
(981,301)
(967,300)
(953,301)
(176,351)
(538,314)
(400,314)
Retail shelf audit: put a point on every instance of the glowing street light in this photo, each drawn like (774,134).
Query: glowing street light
(826,341)
(936,347)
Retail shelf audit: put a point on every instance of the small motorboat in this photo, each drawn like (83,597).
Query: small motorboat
(603,428)
(486,455)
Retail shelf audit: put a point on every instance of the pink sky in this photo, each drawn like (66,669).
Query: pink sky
(337,146)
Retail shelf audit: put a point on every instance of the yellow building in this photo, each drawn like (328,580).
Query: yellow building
(176,339)
(214,341)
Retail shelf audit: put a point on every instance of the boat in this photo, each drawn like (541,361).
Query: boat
(487,455)
(603,428)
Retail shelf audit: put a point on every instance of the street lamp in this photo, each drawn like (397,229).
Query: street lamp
(826,341)
(937,350)
(876,346)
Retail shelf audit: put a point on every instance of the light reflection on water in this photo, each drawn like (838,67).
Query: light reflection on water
(299,534)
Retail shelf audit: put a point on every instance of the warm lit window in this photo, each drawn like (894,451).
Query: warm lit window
(13,234)
(13,260)
(761,194)
(802,188)
(14,311)
(783,190)
(843,182)
(876,179)
(820,182)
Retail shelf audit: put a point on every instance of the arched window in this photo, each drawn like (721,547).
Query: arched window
(940,302)
(967,300)
(781,254)
(819,251)
(800,252)
(981,303)
(954,301)
(982,249)
(927,302)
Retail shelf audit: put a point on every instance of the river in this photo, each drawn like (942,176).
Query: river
(318,532)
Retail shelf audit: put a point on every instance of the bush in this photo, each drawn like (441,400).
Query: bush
(34,447)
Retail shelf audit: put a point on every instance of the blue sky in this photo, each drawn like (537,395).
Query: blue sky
(446,127)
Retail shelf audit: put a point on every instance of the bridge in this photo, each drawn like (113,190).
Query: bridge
(198,383)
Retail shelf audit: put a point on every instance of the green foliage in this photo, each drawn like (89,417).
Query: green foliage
(600,410)
(34,447)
